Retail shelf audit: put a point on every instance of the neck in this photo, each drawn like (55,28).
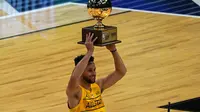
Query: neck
(84,84)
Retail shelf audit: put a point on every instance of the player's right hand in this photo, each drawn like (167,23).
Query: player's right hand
(89,43)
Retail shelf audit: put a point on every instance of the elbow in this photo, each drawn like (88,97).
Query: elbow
(125,70)
(122,71)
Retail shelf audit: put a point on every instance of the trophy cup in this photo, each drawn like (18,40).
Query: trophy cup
(99,10)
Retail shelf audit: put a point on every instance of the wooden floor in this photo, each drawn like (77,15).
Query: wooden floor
(44,19)
(161,53)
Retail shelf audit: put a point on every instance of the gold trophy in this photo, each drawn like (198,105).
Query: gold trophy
(99,10)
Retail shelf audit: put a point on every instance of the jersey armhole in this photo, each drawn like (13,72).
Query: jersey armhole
(101,89)
(79,100)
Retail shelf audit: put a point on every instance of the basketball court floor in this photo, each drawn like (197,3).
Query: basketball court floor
(38,42)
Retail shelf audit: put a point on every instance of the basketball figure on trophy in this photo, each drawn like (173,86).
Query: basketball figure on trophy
(99,10)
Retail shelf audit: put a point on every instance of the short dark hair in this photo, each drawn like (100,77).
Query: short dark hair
(80,57)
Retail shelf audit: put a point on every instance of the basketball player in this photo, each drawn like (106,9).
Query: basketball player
(83,90)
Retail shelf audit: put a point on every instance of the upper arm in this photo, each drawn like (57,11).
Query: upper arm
(73,86)
(73,92)
(109,80)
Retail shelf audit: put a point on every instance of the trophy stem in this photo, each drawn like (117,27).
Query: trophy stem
(99,23)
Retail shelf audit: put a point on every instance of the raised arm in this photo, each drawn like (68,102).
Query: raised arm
(117,74)
(73,85)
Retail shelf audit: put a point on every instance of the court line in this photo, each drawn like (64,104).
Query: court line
(81,4)
(57,26)
(36,10)
(197,2)
(5,6)
(42,9)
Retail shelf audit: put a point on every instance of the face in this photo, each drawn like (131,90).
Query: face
(89,75)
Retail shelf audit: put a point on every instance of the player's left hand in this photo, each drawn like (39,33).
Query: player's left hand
(111,47)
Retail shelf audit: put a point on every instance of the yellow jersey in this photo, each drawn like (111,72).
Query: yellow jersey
(91,101)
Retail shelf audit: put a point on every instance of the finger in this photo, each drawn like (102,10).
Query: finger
(91,37)
(94,39)
(87,38)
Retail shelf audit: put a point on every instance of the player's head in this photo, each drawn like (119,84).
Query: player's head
(89,74)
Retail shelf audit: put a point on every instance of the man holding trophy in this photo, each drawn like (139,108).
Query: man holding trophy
(83,90)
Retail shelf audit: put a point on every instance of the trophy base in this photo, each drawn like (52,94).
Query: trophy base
(106,35)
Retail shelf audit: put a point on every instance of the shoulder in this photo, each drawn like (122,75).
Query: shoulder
(97,85)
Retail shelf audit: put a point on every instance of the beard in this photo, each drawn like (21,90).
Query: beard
(89,80)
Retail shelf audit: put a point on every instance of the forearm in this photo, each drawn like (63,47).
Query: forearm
(73,85)
(80,67)
(119,64)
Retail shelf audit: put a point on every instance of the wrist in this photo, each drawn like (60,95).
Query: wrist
(112,51)
(90,52)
